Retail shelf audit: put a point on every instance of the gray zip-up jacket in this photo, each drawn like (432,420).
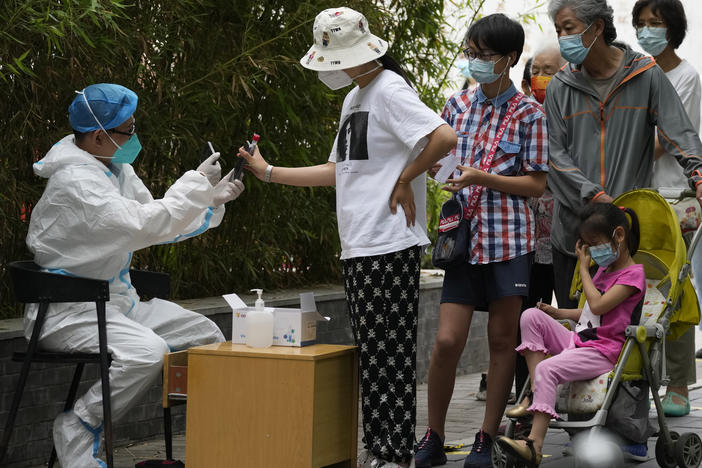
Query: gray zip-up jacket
(598,147)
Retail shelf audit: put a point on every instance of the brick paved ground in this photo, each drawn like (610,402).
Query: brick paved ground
(465,415)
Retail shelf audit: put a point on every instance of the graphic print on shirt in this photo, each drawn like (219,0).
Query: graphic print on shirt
(588,323)
(352,141)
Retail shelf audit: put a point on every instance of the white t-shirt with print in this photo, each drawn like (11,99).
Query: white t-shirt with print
(686,81)
(383,127)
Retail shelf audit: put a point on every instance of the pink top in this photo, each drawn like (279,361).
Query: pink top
(606,332)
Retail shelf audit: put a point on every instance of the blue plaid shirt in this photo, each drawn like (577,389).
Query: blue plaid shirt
(502,226)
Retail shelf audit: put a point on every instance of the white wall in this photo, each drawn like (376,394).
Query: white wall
(536,37)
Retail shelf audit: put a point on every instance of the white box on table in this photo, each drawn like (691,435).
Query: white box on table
(292,327)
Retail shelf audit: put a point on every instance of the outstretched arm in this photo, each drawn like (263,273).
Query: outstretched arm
(311,176)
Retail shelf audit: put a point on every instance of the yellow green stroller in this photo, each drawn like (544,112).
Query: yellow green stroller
(670,306)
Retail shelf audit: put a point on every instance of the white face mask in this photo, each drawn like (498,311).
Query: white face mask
(337,79)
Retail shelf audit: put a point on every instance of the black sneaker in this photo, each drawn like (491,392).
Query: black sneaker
(430,451)
(480,454)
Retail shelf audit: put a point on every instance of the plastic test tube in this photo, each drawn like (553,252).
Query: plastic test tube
(254,143)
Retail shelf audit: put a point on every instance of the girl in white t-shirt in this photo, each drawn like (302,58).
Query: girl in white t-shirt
(660,29)
(386,141)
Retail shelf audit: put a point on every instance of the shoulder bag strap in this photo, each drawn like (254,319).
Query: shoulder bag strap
(487,161)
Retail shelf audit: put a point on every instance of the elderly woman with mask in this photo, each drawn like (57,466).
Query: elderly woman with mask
(603,109)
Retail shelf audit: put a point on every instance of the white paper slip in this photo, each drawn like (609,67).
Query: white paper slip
(234,301)
(448,166)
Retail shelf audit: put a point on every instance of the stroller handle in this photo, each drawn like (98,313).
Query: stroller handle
(693,243)
(673,193)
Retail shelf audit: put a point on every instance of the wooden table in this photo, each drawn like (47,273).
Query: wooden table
(274,407)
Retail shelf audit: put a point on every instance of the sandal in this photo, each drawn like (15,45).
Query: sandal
(524,454)
(520,411)
(670,408)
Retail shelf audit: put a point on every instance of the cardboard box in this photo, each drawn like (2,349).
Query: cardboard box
(292,327)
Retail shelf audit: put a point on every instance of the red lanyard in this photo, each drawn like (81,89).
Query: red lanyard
(486,162)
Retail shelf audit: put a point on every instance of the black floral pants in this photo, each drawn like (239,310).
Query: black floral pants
(383,296)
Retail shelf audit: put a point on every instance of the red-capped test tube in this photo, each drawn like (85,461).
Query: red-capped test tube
(254,143)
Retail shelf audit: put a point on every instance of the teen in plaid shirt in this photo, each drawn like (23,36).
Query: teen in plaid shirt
(496,276)
(503,225)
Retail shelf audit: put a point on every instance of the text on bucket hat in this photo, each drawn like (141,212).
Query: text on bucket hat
(112,104)
(342,40)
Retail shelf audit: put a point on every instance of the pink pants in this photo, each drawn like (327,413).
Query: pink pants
(542,333)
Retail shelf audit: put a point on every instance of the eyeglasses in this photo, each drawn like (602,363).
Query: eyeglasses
(471,54)
(653,23)
(130,132)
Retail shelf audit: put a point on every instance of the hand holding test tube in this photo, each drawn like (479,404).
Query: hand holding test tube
(240,163)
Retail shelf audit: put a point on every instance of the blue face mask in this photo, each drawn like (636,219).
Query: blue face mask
(483,71)
(128,152)
(463,65)
(572,48)
(604,255)
(652,40)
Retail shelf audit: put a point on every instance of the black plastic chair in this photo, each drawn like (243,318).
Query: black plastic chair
(31,285)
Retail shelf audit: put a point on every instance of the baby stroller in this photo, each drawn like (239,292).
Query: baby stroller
(670,306)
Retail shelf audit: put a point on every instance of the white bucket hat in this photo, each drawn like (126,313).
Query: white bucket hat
(342,40)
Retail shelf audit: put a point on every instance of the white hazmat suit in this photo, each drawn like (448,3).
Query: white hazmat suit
(87,223)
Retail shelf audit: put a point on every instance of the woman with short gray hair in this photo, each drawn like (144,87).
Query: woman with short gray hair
(587,11)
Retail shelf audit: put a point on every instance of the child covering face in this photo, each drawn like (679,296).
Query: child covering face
(614,298)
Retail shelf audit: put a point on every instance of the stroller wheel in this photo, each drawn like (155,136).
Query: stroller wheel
(688,450)
(501,459)
(665,458)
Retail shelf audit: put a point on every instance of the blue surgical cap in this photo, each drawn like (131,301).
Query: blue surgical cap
(112,104)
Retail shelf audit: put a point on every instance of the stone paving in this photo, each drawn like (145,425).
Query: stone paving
(464,418)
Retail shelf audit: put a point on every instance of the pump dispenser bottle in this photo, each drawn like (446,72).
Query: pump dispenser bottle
(259,324)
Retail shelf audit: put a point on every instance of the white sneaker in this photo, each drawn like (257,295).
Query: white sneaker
(380,463)
(76,443)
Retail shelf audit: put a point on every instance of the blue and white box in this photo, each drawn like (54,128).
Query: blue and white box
(291,327)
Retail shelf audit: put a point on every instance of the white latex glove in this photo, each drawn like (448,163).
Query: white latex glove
(211,168)
(226,191)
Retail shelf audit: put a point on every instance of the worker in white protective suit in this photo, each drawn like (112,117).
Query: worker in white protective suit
(94,213)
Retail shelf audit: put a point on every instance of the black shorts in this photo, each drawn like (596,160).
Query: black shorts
(480,284)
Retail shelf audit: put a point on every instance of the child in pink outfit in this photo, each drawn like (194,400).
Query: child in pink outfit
(614,297)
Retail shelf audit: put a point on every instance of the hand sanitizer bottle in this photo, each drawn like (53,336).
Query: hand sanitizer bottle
(259,325)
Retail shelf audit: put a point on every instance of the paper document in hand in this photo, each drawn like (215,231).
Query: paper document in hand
(448,166)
